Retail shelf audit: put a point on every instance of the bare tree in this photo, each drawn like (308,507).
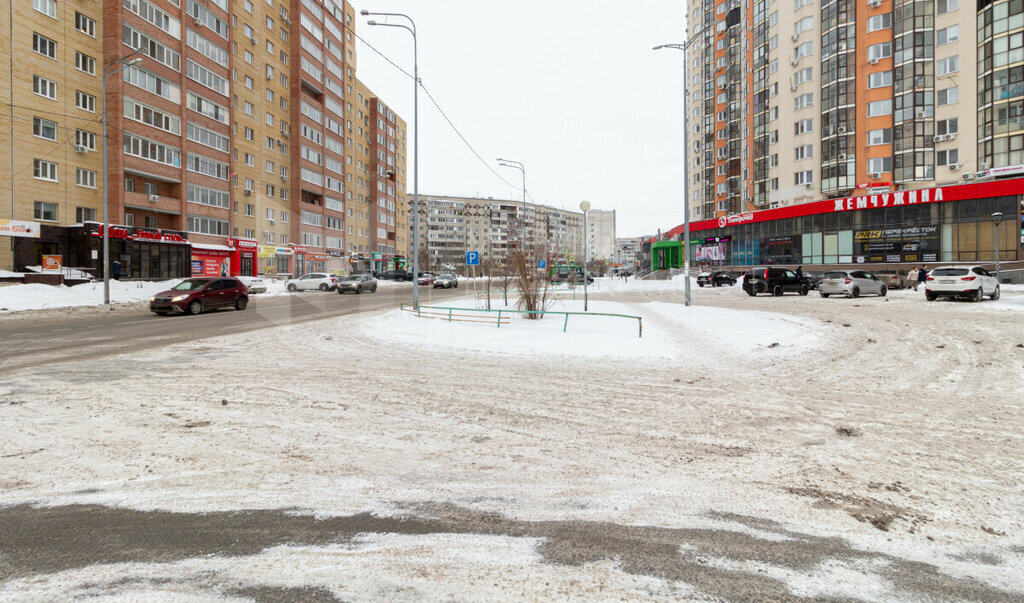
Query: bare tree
(531,282)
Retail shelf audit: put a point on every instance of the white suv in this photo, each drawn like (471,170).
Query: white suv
(971,282)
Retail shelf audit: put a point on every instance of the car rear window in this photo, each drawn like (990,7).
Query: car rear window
(949,272)
(835,275)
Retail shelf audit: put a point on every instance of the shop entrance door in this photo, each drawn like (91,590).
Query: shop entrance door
(246,264)
(300,264)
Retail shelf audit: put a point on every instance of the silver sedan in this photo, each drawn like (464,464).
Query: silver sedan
(851,283)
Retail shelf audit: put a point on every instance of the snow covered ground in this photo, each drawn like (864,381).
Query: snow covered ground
(872,454)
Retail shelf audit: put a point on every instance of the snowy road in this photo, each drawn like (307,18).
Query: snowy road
(878,459)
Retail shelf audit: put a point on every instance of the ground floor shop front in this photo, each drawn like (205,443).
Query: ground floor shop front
(952,224)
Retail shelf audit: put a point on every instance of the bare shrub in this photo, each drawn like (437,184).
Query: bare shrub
(532,283)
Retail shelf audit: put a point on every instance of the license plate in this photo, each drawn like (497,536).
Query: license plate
(830,283)
(946,281)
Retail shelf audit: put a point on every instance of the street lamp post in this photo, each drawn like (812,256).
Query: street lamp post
(686,159)
(518,166)
(997,218)
(411,28)
(111,69)
(585,206)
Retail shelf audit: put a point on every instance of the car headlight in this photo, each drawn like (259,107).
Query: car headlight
(179,298)
(152,299)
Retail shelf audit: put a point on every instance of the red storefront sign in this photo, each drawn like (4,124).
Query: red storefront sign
(319,257)
(941,194)
(246,244)
(132,233)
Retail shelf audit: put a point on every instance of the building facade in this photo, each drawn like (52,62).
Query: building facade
(627,251)
(238,127)
(846,98)
(601,235)
(450,226)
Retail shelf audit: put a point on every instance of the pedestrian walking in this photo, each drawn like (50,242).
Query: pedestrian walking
(115,270)
(800,272)
(912,278)
(922,278)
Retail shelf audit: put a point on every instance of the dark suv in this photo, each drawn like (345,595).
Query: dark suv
(766,279)
(396,275)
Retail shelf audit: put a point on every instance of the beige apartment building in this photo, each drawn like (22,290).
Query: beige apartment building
(849,97)
(450,226)
(50,142)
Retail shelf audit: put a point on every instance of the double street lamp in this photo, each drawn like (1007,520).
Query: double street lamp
(585,206)
(411,28)
(115,67)
(686,159)
(997,218)
(516,165)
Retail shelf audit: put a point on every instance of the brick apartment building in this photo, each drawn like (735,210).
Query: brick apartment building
(235,143)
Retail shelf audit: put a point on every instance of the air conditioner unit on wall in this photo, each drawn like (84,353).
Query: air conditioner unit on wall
(875,175)
(154,198)
(795,37)
(248,192)
(841,129)
(876,3)
(968,176)
(253,41)
(80,148)
(873,61)
(954,166)
(938,138)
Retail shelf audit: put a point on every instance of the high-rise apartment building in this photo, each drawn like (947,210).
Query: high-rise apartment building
(51,62)
(600,234)
(792,101)
(452,225)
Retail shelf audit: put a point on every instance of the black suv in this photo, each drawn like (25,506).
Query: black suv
(766,279)
(715,279)
(396,275)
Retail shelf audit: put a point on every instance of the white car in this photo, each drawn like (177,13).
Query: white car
(971,282)
(253,284)
(312,282)
(851,283)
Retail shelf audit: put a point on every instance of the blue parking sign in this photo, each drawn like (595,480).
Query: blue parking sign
(542,263)
(472,258)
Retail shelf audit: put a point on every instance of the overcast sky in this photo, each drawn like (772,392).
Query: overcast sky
(571,88)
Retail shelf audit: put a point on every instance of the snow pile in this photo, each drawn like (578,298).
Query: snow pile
(669,331)
(37,297)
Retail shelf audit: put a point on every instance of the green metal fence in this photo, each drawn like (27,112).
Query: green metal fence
(501,317)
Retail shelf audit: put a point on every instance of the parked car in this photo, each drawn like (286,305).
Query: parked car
(396,275)
(253,284)
(196,295)
(715,279)
(446,281)
(852,283)
(767,279)
(893,278)
(814,280)
(311,282)
(971,282)
(357,284)
(426,278)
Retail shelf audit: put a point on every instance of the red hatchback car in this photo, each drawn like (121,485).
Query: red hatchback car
(193,295)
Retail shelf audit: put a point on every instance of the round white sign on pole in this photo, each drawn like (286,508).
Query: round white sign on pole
(585,205)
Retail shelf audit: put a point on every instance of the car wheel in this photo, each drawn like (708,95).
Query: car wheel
(979,295)
(195,307)
(374,290)
(777,291)
(995,294)
(825,295)
(883,291)
(855,292)
(804,290)
(359,290)
(292,288)
(929,296)
(241,303)
(161,313)
(456,285)
(701,285)
(324,287)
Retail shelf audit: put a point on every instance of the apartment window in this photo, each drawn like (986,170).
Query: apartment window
(880,51)
(204,136)
(772,67)
(773,42)
(143,113)
(85,24)
(804,126)
(773,19)
(271,168)
(804,50)
(250,210)
(882,136)
(878,22)
(250,160)
(947,96)
(880,79)
(210,167)
(882,107)
(802,76)
(208,108)
(151,150)
(270,214)
(210,226)
(773,160)
(44,128)
(250,134)
(86,178)
(85,63)
(802,3)
(773,113)
(44,46)
(44,170)
(947,126)
(85,139)
(879,165)
(44,211)
(152,83)
(86,102)
(208,196)
(129,185)
(948,157)
(44,87)
(805,24)
(773,184)
(804,152)
(249,108)
(803,101)
(150,188)
(944,6)
(207,48)
(804,177)
(129,219)
(85,214)
(248,57)
(152,222)
(947,35)
(47,7)
(947,65)
(207,78)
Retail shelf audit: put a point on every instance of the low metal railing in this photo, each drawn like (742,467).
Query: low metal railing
(503,316)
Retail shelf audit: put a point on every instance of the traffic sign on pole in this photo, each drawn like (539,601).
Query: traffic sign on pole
(472,258)
(542,263)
